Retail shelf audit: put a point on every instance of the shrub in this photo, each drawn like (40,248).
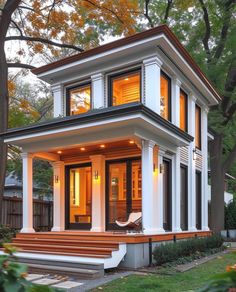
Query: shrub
(6,233)
(173,251)
(230,215)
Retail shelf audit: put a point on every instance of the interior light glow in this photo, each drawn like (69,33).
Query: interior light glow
(82,148)
(59,152)
(126,79)
(131,142)
(102,146)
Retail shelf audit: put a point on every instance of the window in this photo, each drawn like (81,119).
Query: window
(198,200)
(183,111)
(198,127)
(125,88)
(167,196)
(79,100)
(165,97)
(184,197)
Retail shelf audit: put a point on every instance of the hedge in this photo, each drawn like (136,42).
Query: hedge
(170,252)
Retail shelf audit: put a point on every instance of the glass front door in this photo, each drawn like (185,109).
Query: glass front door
(123,191)
(78,195)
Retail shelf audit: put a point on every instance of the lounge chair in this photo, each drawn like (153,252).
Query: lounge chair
(134,221)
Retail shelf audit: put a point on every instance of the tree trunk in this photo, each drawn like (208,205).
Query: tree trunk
(217,184)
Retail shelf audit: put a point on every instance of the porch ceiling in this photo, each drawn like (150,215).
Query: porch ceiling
(98,126)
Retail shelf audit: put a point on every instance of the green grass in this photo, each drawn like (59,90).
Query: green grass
(187,281)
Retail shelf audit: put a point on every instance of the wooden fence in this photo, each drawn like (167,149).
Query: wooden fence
(42,212)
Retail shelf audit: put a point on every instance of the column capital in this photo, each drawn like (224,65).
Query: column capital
(27,155)
(97,157)
(177,81)
(205,109)
(148,143)
(56,87)
(192,97)
(97,76)
(58,163)
(161,151)
(153,61)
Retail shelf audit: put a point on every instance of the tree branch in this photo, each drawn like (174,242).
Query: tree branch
(229,161)
(167,12)
(206,37)
(146,13)
(20,65)
(44,41)
(17,27)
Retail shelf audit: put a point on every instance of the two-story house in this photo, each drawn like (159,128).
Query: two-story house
(129,137)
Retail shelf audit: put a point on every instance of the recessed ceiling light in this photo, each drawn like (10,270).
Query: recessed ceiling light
(131,142)
(82,148)
(126,79)
(102,146)
(59,152)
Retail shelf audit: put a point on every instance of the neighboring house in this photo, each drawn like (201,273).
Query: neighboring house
(14,188)
(129,136)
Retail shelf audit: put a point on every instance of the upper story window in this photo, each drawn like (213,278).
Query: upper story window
(198,127)
(165,97)
(79,99)
(183,113)
(125,88)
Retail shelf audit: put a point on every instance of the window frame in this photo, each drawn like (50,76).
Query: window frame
(186,109)
(120,74)
(200,127)
(68,99)
(169,94)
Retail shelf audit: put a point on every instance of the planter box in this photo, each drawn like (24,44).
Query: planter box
(232,233)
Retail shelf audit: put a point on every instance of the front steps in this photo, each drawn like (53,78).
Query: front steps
(70,251)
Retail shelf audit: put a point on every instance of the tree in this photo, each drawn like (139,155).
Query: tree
(53,25)
(208,30)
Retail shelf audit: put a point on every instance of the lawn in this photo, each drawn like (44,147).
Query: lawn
(188,281)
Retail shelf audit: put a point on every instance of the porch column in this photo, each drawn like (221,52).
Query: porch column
(176,102)
(27,192)
(204,169)
(152,87)
(159,205)
(176,192)
(191,168)
(148,208)
(58,101)
(58,196)
(98,90)
(98,193)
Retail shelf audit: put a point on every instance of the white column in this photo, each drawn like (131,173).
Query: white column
(98,193)
(27,192)
(98,90)
(191,168)
(58,100)
(160,206)
(176,192)
(152,83)
(204,169)
(148,208)
(58,196)
(176,102)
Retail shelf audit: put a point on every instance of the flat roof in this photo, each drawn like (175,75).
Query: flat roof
(162,29)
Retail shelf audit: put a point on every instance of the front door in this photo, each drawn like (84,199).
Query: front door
(78,196)
(123,190)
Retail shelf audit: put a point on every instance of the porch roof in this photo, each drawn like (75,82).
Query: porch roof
(141,119)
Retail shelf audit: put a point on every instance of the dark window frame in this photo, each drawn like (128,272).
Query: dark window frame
(68,97)
(68,225)
(185,167)
(198,181)
(120,74)
(168,225)
(186,109)
(128,161)
(200,126)
(167,77)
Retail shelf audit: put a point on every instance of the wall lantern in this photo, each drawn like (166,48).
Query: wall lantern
(162,168)
(194,154)
(96,174)
(56,179)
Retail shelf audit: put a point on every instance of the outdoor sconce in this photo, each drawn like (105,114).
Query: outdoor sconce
(96,174)
(162,168)
(194,154)
(56,179)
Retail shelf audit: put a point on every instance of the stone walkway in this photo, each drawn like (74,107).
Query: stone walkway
(74,285)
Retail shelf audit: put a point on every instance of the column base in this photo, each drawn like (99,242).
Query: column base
(97,229)
(205,228)
(153,231)
(57,229)
(192,229)
(177,230)
(27,230)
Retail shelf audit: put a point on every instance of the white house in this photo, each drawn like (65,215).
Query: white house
(129,136)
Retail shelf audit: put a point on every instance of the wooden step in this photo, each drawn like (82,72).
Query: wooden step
(68,249)
(72,242)
(63,253)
